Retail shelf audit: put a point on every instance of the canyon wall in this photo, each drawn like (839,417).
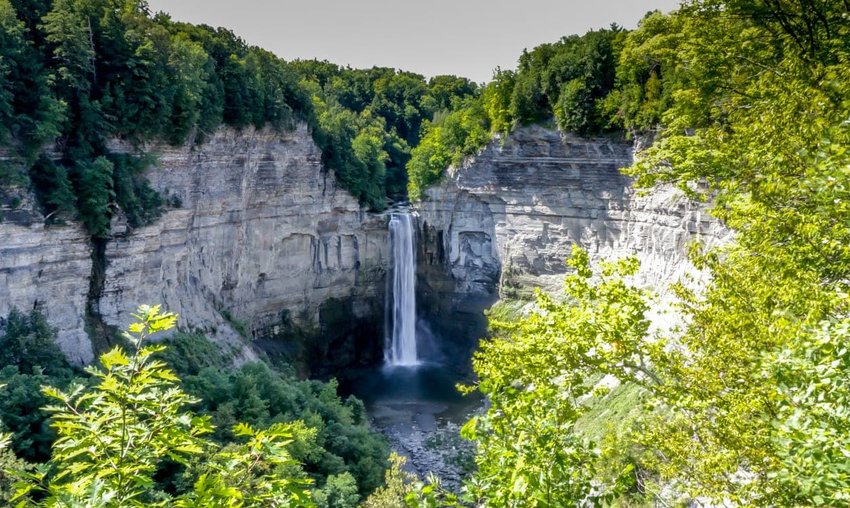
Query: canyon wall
(505,222)
(262,249)
(47,268)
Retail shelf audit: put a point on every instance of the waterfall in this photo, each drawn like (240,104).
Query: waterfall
(400,349)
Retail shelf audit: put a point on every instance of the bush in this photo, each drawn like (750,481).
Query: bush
(259,395)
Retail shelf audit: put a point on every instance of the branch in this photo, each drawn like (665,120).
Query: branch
(644,370)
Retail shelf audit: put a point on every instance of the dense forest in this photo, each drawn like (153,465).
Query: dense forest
(333,451)
(76,74)
(746,403)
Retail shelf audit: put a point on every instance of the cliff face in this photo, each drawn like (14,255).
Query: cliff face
(263,248)
(506,221)
(47,268)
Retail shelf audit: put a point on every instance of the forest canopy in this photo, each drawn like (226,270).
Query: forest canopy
(75,74)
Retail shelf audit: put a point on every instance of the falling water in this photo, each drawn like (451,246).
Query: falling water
(401,348)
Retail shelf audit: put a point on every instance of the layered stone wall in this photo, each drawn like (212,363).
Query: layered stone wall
(505,222)
(265,250)
(262,244)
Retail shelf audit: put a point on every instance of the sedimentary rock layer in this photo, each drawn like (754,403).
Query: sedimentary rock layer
(47,268)
(506,221)
(261,243)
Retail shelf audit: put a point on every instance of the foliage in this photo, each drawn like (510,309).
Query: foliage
(94,187)
(260,396)
(76,74)
(812,416)
(114,437)
(85,72)
(447,141)
(354,148)
(368,120)
(21,405)
(569,80)
(758,117)
(340,491)
(27,344)
(53,188)
(497,101)
(11,46)
(256,394)
(529,452)
(30,359)
(256,473)
(745,403)
(139,201)
(396,486)
(647,72)
(9,462)
(335,441)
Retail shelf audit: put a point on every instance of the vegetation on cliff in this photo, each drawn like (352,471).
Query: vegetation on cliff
(746,402)
(568,82)
(76,74)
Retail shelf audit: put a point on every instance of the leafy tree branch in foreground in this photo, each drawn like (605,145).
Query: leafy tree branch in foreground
(114,437)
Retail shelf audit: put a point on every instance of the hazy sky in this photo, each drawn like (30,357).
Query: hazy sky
(464,37)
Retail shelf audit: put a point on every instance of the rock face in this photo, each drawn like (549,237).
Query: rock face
(47,268)
(263,248)
(505,221)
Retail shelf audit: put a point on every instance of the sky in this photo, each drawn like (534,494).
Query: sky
(463,37)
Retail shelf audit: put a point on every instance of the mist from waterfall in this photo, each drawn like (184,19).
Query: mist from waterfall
(400,349)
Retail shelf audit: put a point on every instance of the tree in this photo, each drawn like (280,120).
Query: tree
(28,343)
(574,108)
(759,120)
(537,374)
(31,359)
(113,438)
(340,491)
(446,141)
(396,487)
(11,45)
(497,101)
(446,90)
(94,186)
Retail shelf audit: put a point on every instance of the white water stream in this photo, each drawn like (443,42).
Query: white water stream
(400,349)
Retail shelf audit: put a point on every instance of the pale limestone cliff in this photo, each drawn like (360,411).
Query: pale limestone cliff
(48,268)
(505,221)
(262,237)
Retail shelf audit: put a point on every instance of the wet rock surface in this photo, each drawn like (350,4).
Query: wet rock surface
(428,438)
(421,412)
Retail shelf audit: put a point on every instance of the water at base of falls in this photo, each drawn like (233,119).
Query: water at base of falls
(400,349)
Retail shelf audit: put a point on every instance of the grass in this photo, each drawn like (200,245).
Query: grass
(611,414)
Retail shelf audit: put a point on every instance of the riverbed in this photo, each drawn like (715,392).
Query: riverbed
(420,411)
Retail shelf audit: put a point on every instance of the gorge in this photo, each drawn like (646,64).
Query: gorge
(265,251)
(616,274)
(265,254)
